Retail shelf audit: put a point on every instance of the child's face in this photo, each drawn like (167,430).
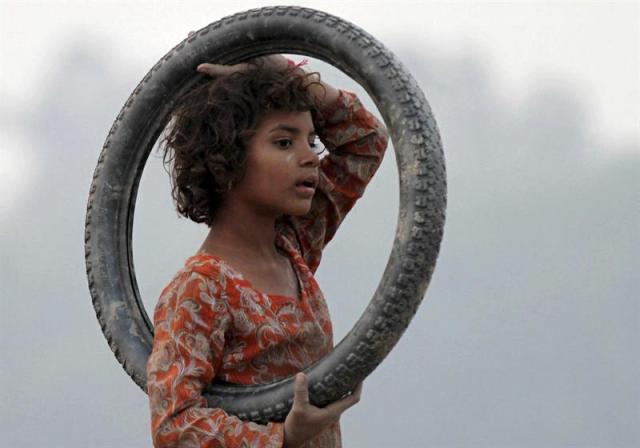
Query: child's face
(279,157)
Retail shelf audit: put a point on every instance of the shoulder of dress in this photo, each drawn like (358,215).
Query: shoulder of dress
(202,263)
(202,268)
(206,274)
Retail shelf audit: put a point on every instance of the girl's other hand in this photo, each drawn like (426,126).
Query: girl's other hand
(305,420)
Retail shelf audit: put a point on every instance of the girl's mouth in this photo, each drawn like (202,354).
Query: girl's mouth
(305,189)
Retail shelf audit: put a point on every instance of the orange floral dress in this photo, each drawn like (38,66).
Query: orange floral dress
(211,323)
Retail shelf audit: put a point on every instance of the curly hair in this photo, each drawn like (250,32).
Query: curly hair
(206,140)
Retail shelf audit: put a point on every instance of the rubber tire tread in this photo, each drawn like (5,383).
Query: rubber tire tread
(422,176)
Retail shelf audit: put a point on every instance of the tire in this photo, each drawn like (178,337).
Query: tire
(416,139)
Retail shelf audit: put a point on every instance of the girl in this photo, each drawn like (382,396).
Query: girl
(245,308)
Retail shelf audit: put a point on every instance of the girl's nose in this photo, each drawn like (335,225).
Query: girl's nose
(310,157)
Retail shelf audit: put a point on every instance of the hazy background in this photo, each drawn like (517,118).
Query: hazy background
(528,335)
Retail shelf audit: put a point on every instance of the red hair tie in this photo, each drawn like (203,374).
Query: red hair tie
(299,64)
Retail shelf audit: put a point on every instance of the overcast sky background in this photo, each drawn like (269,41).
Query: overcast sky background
(528,333)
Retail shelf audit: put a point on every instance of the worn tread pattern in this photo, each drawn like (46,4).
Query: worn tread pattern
(419,232)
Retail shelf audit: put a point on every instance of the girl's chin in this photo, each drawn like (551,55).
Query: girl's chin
(299,211)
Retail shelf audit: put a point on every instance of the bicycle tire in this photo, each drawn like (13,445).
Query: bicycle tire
(422,177)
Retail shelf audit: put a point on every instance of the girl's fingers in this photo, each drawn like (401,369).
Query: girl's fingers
(277,61)
(220,69)
(300,391)
(357,391)
(213,69)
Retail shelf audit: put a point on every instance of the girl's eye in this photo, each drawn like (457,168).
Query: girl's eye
(315,144)
(284,143)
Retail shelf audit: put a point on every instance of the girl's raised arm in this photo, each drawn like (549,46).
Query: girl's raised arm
(356,141)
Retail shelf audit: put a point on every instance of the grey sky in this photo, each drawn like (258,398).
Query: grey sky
(528,334)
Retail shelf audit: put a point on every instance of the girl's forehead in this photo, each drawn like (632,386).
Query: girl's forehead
(286,119)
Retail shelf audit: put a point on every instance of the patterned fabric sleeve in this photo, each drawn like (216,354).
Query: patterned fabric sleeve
(190,324)
(356,141)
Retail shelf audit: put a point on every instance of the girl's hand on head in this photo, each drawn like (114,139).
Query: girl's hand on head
(305,420)
(214,70)
(323,92)
(278,61)
(220,69)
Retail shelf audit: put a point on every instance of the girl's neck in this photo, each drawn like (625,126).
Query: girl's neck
(249,236)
